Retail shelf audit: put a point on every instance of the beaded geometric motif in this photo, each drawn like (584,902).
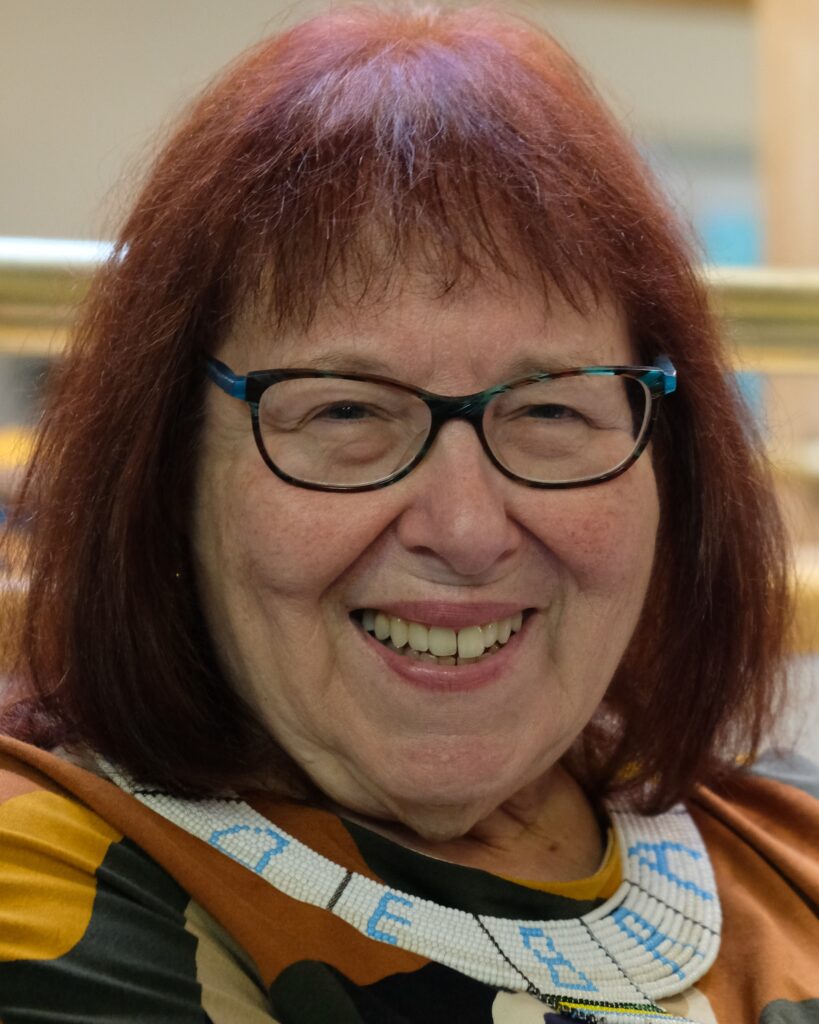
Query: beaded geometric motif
(656,936)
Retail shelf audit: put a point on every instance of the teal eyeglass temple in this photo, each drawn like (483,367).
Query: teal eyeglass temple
(659,380)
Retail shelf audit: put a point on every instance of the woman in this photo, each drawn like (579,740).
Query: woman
(380,703)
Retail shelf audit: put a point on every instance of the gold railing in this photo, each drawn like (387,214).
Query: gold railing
(771,318)
(41,283)
(773,315)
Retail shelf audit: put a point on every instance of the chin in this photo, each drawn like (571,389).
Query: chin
(441,824)
(439,789)
(440,809)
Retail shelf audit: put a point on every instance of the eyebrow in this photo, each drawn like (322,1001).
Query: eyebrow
(345,362)
(357,362)
(526,366)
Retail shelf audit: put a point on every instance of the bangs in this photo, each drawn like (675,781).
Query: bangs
(460,153)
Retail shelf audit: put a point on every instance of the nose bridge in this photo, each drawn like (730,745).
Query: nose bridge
(459,510)
(470,409)
(461,440)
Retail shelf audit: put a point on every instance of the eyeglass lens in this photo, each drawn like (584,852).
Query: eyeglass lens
(351,433)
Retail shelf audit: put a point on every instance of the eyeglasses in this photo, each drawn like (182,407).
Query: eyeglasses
(358,432)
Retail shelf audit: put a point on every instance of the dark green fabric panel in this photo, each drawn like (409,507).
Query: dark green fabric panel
(783,1011)
(135,961)
(310,992)
(435,995)
(453,885)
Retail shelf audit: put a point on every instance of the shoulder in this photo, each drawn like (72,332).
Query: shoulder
(86,913)
(761,832)
(50,826)
(76,900)
(51,847)
(761,827)
(772,803)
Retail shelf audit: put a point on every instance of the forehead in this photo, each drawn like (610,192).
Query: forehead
(467,339)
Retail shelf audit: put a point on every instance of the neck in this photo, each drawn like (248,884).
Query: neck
(546,832)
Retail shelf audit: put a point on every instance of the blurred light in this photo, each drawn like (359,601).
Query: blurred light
(50,251)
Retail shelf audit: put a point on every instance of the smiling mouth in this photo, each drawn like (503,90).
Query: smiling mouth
(436,644)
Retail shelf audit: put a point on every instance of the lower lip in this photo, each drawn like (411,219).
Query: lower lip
(449,678)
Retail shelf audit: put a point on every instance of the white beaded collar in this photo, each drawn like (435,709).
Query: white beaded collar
(656,936)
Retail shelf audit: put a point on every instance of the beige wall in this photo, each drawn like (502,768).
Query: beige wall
(84,85)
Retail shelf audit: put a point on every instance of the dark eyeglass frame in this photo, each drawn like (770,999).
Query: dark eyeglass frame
(659,380)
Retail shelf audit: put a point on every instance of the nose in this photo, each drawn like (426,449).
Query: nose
(458,511)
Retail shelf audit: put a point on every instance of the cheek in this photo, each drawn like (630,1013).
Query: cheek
(287,539)
(605,534)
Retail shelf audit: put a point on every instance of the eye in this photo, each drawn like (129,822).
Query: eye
(551,411)
(344,411)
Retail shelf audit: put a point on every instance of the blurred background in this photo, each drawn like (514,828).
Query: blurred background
(722,97)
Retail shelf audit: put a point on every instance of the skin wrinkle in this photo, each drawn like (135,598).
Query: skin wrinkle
(282,569)
(513,838)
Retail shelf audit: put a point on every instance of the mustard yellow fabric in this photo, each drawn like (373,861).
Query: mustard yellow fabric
(601,885)
(50,849)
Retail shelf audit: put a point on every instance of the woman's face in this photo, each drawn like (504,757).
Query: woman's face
(286,572)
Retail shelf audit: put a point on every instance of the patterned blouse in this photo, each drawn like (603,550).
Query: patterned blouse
(123,903)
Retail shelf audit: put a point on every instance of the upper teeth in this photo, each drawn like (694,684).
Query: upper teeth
(469,642)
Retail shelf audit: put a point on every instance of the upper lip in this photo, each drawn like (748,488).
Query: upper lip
(449,614)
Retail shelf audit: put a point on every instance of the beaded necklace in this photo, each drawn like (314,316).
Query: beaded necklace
(652,939)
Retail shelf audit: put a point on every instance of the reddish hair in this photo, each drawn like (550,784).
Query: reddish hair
(324,162)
